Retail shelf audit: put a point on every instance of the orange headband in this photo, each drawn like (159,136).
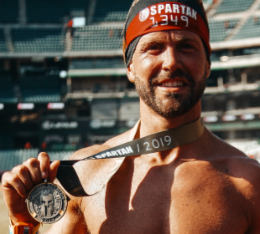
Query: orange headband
(167,16)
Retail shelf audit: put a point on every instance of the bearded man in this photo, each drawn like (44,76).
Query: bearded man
(201,186)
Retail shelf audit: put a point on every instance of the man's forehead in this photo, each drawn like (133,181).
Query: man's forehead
(176,35)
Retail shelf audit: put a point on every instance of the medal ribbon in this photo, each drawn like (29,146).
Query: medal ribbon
(153,143)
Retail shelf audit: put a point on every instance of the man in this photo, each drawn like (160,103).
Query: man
(203,186)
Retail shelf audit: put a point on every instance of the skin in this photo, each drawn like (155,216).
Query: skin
(203,187)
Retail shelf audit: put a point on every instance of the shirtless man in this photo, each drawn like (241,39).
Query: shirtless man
(202,187)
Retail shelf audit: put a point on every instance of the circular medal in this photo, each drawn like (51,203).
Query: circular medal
(47,203)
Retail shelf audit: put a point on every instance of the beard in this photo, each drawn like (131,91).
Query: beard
(179,104)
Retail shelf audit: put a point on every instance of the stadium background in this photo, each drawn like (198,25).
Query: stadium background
(63,83)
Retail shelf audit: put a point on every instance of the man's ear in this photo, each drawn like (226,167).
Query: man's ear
(131,73)
(208,69)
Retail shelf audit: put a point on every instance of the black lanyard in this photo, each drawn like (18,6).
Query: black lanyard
(153,143)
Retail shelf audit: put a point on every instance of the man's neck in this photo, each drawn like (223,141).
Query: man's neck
(152,122)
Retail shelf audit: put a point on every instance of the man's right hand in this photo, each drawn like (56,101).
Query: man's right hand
(18,183)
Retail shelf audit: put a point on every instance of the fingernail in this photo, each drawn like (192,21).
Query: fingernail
(44,175)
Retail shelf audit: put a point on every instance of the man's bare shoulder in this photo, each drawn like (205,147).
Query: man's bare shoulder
(233,171)
(244,173)
(233,161)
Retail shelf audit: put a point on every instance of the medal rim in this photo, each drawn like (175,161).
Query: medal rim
(65,201)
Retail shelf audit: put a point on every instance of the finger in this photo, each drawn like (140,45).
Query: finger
(44,160)
(34,170)
(23,173)
(53,170)
(12,181)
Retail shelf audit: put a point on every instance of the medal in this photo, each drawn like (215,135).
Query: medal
(47,203)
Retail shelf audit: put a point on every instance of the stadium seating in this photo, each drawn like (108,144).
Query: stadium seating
(37,40)
(104,109)
(6,88)
(97,63)
(3,47)
(129,109)
(216,55)
(40,95)
(9,11)
(6,142)
(207,3)
(228,6)
(49,11)
(112,10)
(219,30)
(250,29)
(11,158)
(97,38)
(63,147)
(60,155)
(40,89)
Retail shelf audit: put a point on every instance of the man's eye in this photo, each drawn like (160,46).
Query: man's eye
(187,47)
(154,47)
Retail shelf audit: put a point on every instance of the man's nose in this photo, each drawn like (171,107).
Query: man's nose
(171,60)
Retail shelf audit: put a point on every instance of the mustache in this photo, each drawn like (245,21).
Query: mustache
(178,73)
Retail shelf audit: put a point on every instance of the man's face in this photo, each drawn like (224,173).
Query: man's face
(170,69)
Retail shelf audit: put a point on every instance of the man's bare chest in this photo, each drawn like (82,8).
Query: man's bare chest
(172,204)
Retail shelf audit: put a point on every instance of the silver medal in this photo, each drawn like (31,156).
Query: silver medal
(47,203)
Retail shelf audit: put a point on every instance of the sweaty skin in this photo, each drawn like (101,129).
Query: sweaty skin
(206,187)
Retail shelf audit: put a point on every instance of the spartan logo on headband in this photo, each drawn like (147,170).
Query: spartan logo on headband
(167,8)
(168,13)
(144,14)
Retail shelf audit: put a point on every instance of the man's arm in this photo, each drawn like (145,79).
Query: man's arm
(18,183)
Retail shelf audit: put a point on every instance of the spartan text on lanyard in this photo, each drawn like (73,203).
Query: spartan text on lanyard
(141,147)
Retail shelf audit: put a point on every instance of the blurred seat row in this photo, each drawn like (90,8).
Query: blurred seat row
(88,38)
(12,158)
